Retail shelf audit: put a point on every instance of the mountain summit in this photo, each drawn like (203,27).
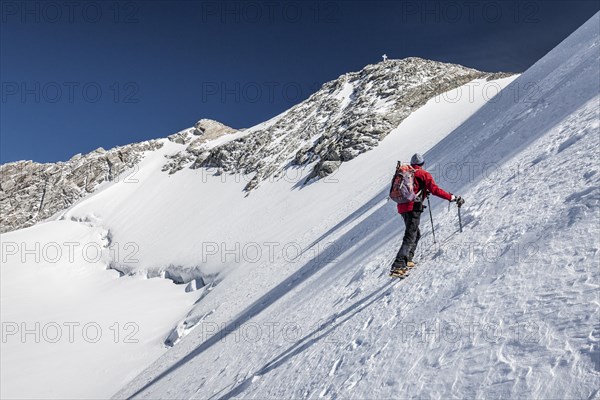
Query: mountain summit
(346,117)
(285,293)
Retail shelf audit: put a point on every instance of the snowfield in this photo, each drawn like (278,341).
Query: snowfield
(286,290)
(70,328)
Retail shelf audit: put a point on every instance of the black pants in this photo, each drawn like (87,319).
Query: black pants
(412,234)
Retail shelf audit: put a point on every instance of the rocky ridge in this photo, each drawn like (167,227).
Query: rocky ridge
(31,191)
(346,117)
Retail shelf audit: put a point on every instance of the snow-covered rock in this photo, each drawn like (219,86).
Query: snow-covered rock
(190,226)
(506,309)
(31,192)
(296,301)
(346,117)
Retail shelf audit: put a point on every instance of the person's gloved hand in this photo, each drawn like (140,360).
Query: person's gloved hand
(459,200)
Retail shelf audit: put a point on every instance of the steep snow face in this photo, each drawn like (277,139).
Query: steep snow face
(297,302)
(173,222)
(506,309)
(194,227)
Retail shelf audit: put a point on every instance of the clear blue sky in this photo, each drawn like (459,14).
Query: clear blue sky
(80,75)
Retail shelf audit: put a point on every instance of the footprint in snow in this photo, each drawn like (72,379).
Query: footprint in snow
(335,366)
(356,343)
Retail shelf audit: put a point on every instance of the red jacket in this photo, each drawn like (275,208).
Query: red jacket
(424,177)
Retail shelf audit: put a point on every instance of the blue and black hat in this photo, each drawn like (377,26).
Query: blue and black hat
(417,159)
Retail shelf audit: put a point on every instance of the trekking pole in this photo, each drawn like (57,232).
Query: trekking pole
(459,219)
(431,218)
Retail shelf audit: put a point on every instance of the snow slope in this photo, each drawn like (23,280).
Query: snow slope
(183,226)
(507,309)
(70,328)
(298,302)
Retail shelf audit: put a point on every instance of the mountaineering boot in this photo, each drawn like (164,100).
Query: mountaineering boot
(399,273)
(399,268)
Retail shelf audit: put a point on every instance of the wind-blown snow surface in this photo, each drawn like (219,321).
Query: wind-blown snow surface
(507,309)
(150,223)
(184,226)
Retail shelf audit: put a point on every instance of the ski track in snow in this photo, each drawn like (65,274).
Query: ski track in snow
(514,352)
(507,309)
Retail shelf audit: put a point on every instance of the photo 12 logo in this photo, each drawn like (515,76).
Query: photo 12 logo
(266,331)
(256,92)
(438,331)
(69,332)
(492,92)
(69,92)
(69,252)
(250,12)
(471,12)
(267,252)
(69,12)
